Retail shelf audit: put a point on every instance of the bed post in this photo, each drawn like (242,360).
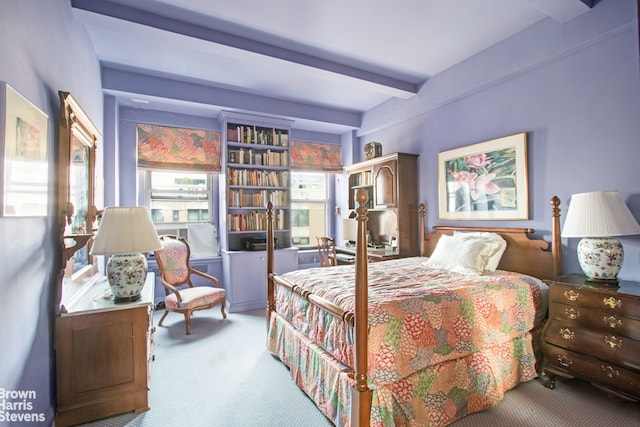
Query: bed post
(556,243)
(421,228)
(361,394)
(271,304)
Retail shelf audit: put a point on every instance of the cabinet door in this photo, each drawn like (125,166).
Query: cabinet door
(385,184)
(246,276)
(101,364)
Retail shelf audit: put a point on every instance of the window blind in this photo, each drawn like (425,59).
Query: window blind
(315,156)
(166,147)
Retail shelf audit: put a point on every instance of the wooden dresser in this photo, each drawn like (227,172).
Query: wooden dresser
(593,333)
(103,354)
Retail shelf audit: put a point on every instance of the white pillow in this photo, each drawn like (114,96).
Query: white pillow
(468,253)
(465,256)
(496,245)
(440,256)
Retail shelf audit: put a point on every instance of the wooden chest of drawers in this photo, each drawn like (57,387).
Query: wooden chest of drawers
(593,333)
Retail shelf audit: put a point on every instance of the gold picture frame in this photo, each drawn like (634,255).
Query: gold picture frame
(25,167)
(485,181)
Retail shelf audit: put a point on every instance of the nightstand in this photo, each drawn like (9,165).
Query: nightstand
(593,333)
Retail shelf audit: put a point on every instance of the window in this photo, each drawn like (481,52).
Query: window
(309,207)
(175,198)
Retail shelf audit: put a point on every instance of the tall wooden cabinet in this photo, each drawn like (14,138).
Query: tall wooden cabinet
(256,165)
(391,183)
(103,354)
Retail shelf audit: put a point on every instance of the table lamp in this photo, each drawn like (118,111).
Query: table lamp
(124,232)
(597,217)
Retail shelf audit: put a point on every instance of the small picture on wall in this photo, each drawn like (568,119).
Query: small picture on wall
(25,167)
(484,181)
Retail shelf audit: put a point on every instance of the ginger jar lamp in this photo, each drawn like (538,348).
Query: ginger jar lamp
(597,218)
(125,232)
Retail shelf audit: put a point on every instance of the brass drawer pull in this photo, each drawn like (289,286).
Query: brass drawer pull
(613,341)
(612,302)
(564,361)
(572,313)
(610,371)
(567,333)
(612,321)
(571,295)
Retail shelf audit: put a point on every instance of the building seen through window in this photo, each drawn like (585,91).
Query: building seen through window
(309,203)
(175,197)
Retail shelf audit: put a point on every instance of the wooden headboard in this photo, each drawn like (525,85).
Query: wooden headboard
(535,257)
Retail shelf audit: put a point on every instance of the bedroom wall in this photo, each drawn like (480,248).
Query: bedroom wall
(43,50)
(574,88)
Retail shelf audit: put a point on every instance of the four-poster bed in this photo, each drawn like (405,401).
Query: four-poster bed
(387,353)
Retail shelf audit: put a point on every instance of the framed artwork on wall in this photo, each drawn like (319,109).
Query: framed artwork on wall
(484,181)
(25,166)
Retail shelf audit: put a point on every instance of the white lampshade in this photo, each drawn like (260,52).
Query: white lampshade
(125,230)
(599,214)
(598,217)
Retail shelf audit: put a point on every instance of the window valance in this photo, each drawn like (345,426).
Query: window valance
(165,147)
(316,156)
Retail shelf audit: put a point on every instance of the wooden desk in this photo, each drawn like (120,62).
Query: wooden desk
(373,254)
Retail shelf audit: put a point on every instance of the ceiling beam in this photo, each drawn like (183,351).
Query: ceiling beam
(562,10)
(386,84)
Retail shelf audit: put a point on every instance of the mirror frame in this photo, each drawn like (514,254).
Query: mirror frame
(74,123)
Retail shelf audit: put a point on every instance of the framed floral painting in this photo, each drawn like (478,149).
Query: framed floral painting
(484,181)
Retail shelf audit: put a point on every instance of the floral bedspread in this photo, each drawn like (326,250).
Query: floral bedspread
(418,316)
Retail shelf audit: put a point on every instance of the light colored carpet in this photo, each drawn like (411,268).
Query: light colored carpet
(221,375)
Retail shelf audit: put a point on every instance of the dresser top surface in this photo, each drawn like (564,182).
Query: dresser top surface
(622,287)
(97,297)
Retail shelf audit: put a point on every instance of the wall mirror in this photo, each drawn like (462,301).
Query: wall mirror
(76,175)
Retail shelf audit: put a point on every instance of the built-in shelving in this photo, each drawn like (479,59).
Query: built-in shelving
(257,169)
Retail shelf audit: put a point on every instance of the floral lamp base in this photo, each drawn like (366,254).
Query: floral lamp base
(126,275)
(600,258)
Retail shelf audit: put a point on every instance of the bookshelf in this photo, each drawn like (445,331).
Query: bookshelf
(256,167)
(256,170)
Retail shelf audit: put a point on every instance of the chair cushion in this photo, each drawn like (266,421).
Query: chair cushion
(194,297)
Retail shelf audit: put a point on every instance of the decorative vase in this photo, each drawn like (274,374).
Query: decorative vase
(600,258)
(126,274)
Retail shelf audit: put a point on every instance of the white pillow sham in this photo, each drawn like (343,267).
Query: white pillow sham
(497,245)
(466,253)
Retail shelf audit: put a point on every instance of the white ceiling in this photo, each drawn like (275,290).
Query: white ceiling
(336,55)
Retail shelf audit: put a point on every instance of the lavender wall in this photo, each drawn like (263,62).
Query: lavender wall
(43,50)
(574,88)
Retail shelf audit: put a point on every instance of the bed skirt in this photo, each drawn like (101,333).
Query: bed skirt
(435,396)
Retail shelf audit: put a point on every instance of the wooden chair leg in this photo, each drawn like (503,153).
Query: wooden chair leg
(187,320)
(162,318)
(224,315)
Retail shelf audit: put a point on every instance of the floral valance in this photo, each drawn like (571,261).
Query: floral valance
(165,147)
(316,156)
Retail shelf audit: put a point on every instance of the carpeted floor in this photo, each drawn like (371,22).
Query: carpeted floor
(221,375)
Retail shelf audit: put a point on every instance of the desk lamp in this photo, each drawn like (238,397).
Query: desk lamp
(598,217)
(124,232)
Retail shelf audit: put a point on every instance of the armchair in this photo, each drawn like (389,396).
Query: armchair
(175,276)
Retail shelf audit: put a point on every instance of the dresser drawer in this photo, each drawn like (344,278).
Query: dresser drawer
(611,302)
(596,319)
(562,361)
(618,349)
